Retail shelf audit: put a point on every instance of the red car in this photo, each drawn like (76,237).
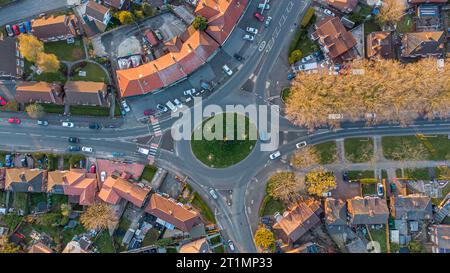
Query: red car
(149,112)
(14,120)
(259,17)
(93,169)
(16,29)
(2,101)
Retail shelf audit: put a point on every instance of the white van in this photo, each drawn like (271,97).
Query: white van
(143,151)
(305,67)
(171,106)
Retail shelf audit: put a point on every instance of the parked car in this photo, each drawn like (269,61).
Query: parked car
(74,140)
(102,176)
(248,37)
(189,92)
(231,245)
(158,34)
(2,101)
(268,20)
(259,17)
(125,106)
(262,6)
(42,122)
(161,108)
(93,168)
(9,30)
(94,126)
(171,106)
(22,28)
(306,59)
(68,124)
(205,85)
(74,148)
(87,149)
(16,30)
(24,162)
(326,194)
(238,57)
(291,76)
(301,144)
(28,26)
(329,12)
(213,193)
(178,103)
(252,30)
(275,155)
(149,112)
(143,151)
(345,177)
(117,154)
(227,70)
(8,160)
(14,120)
(380,189)
(305,67)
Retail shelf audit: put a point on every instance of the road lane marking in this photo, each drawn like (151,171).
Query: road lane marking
(262,46)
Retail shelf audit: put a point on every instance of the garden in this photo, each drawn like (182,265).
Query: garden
(66,52)
(358,150)
(93,72)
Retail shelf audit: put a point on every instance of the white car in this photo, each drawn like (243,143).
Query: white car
(307,58)
(275,155)
(326,194)
(227,70)
(252,30)
(171,106)
(68,124)
(125,106)
(328,12)
(102,176)
(178,103)
(300,144)
(248,37)
(380,190)
(260,6)
(87,149)
(213,193)
(189,92)
(231,245)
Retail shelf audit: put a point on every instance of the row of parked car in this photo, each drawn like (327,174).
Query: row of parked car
(15,30)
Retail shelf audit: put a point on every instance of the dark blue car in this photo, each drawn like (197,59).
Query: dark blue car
(291,76)
(28,26)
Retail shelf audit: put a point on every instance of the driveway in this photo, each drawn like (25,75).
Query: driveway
(24,9)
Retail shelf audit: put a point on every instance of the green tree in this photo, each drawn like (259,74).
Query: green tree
(126,17)
(200,23)
(295,56)
(35,111)
(66,210)
(164,242)
(265,240)
(139,14)
(416,247)
(148,9)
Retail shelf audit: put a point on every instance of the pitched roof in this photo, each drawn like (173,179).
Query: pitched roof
(78,183)
(117,169)
(39,248)
(84,92)
(96,11)
(379,45)
(114,189)
(38,92)
(54,26)
(343,5)
(113,3)
(335,38)
(412,207)
(197,246)
(9,57)
(335,212)
(368,210)
(24,180)
(422,43)
(297,221)
(55,180)
(172,212)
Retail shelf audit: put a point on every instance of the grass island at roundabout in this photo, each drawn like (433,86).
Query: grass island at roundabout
(229,149)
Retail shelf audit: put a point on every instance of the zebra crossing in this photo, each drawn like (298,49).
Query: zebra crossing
(153,151)
(155,141)
(156,127)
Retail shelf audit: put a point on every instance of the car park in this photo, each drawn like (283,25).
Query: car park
(162,108)
(329,12)
(227,70)
(94,126)
(267,22)
(149,112)
(380,189)
(238,57)
(259,17)
(248,37)
(87,149)
(275,155)
(74,148)
(16,30)
(14,120)
(74,140)
(212,192)
(2,101)
(301,144)
(291,76)
(252,30)
(231,245)
(42,122)
(125,106)
(9,30)
(178,103)
(68,124)
(171,106)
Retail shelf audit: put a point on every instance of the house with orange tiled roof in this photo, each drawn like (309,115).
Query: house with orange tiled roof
(172,214)
(343,5)
(197,246)
(423,44)
(55,28)
(86,93)
(115,189)
(39,248)
(25,180)
(41,92)
(81,187)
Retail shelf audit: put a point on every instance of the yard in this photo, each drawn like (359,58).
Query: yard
(149,172)
(406,24)
(20,201)
(151,237)
(358,150)
(50,77)
(104,243)
(269,206)
(368,175)
(327,152)
(122,228)
(435,147)
(414,174)
(379,235)
(53,108)
(368,189)
(94,73)
(205,211)
(87,110)
(65,51)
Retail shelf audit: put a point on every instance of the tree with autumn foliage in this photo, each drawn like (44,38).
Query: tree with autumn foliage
(305,158)
(48,63)
(8,247)
(391,11)
(30,47)
(285,186)
(265,240)
(320,181)
(98,216)
(35,110)
(391,91)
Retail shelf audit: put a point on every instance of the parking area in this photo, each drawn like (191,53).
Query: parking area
(345,190)
(171,186)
